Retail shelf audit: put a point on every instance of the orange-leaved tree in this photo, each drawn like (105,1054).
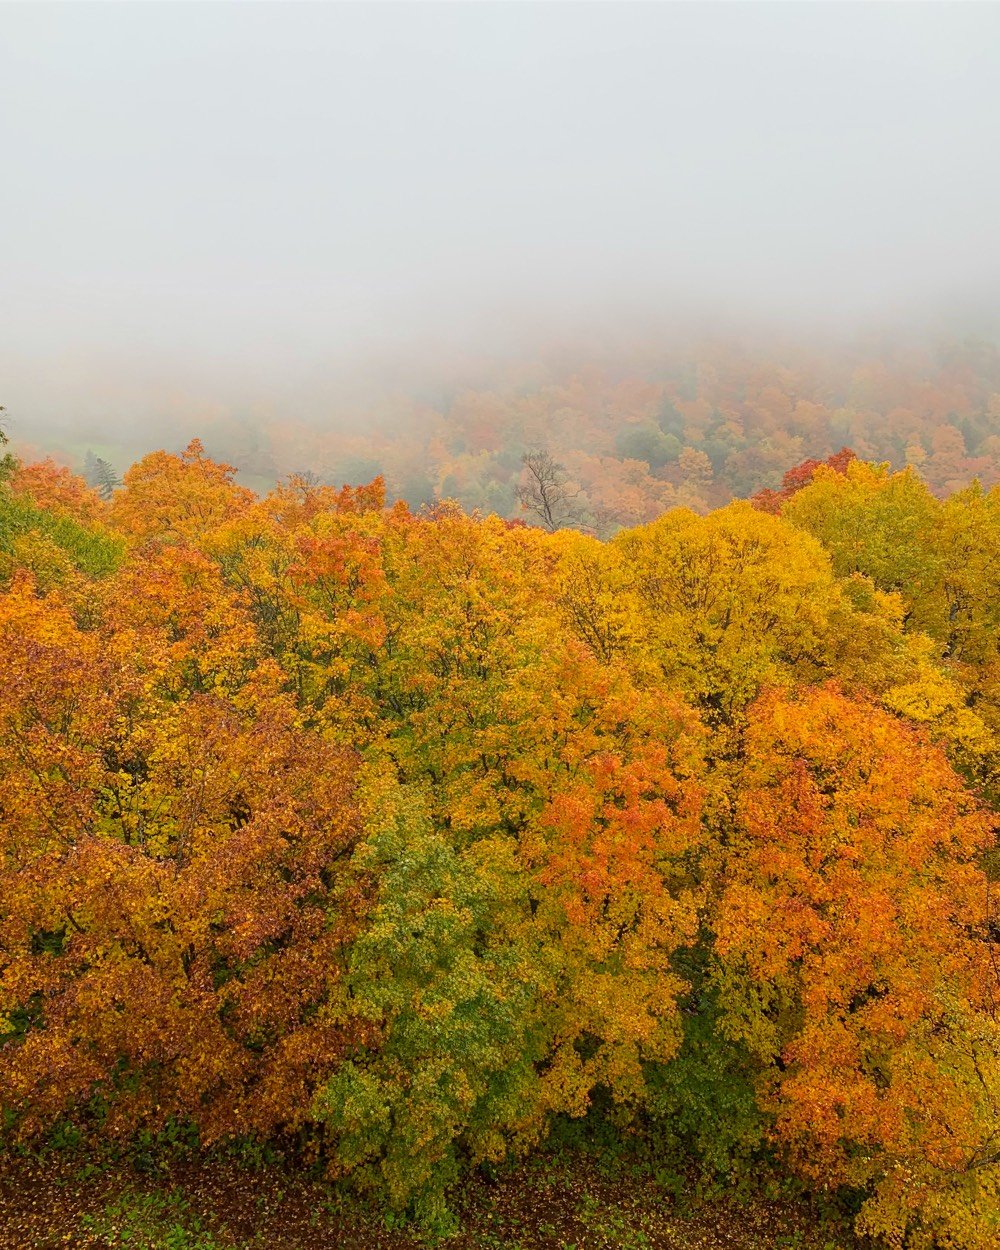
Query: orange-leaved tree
(855,962)
(170,943)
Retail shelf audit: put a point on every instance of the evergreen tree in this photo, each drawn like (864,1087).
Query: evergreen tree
(100,475)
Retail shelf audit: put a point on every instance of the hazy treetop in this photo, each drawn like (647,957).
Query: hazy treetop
(249,191)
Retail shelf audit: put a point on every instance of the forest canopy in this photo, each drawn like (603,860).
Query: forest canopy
(410,832)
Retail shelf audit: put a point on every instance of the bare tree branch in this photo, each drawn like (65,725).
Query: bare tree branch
(546,491)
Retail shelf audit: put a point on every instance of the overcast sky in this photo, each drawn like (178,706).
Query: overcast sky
(213,191)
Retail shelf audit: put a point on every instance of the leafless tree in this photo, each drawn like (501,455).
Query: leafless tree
(546,491)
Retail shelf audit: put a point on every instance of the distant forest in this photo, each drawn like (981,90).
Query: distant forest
(638,432)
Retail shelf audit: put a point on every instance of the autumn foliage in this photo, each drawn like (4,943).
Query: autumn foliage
(409,834)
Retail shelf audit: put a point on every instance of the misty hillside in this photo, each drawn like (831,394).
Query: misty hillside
(634,437)
(499,626)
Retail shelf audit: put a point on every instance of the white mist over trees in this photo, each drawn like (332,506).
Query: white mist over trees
(241,205)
